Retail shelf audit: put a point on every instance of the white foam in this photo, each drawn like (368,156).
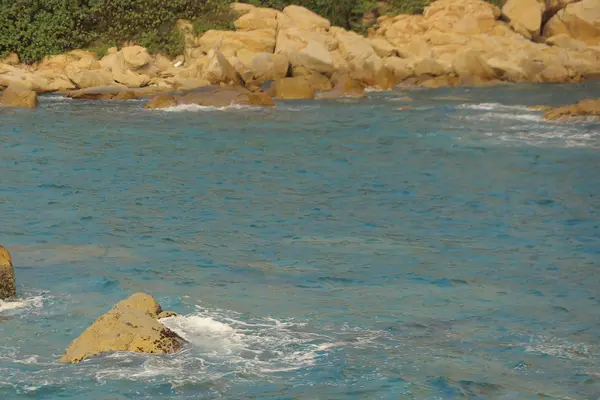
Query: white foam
(558,348)
(56,98)
(196,108)
(30,302)
(260,346)
(494,106)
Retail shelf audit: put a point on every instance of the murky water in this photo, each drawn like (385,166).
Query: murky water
(439,248)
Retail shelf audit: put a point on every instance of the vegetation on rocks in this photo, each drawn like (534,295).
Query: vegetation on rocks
(34,29)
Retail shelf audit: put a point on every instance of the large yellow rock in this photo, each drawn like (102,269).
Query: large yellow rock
(16,96)
(401,67)
(131,325)
(136,57)
(524,14)
(229,43)
(294,88)
(579,20)
(7,275)
(264,66)
(307,50)
(257,18)
(303,18)
(470,64)
(462,16)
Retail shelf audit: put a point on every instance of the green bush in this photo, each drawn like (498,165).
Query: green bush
(36,28)
(222,19)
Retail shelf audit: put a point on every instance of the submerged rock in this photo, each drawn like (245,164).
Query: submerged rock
(131,325)
(16,96)
(7,275)
(211,96)
(585,109)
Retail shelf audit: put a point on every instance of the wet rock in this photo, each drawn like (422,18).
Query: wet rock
(585,109)
(7,275)
(212,96)
(16,96)
(112,93)
(131,325)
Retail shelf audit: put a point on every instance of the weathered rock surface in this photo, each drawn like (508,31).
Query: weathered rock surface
(131,325)
(580,20)
(16,96)
(585,109)
(7,275)
(525,16)
(293,88)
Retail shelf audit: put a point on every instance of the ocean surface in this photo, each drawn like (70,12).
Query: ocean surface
(442,247)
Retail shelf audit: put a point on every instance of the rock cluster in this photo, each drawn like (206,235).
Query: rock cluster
(131,325)
(588,109)
(454,42)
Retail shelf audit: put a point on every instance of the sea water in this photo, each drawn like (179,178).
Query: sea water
(439,247)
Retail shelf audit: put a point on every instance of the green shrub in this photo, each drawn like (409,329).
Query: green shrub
(216,19)
(36,28)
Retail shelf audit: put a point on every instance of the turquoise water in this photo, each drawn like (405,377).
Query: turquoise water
(351,249)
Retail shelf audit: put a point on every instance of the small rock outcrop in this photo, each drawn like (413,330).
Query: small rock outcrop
(211,96)
(131,325)
(7,275)
(585,109)
(17,96)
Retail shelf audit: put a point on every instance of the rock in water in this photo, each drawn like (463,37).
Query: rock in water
(7,275)
(131,325)
(586,109)
(16,96)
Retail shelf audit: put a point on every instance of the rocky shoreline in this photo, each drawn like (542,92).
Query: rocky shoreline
(296,54)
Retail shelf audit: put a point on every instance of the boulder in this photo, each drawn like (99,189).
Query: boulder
(257,18)
(566,42)
(136,57)
(382,47)
(363,62)
(385,79)
(465,17)
(7,275)
(131,325)
(555,74)
(345,86)
(229,43)
(162,101)
(585,109)
(241,8)
(89,78)
(579,20)
(401,67)
(264,66)
(525,16)
(303,18)
(293,88)
(307,50)
(470,64)
(16,96)
(219,69)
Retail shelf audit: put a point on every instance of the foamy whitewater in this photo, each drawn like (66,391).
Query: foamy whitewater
(415,244)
